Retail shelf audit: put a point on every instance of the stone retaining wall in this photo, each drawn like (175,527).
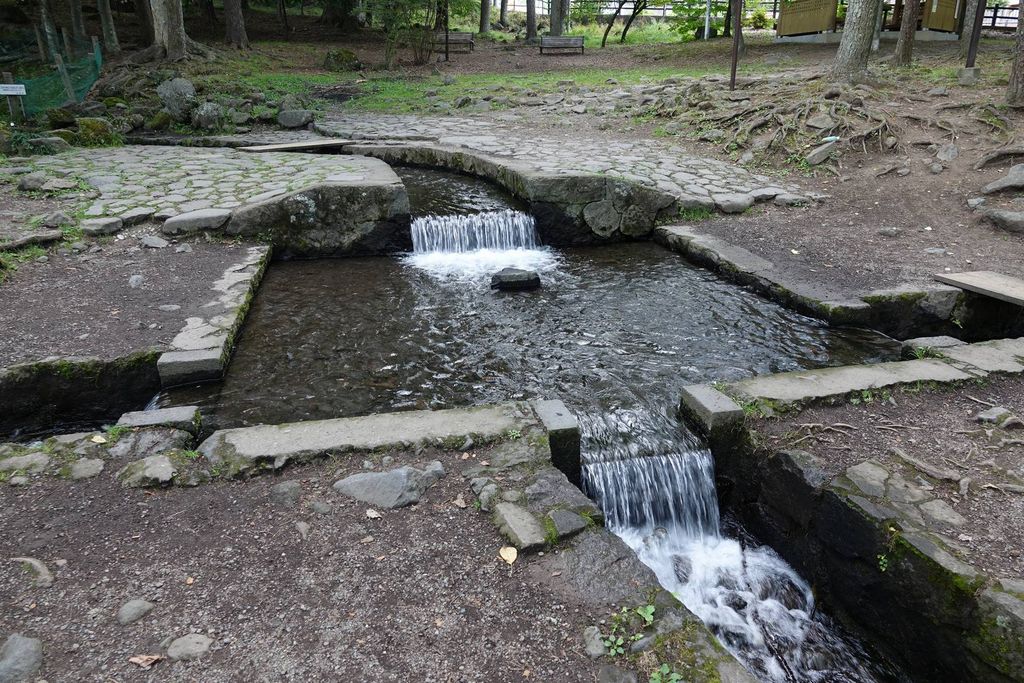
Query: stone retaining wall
(925,608)
(901,312)
(43,395)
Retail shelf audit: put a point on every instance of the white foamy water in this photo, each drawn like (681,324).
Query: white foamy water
(476,246)
(656,489)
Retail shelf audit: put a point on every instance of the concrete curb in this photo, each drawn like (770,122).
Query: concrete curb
(201,350)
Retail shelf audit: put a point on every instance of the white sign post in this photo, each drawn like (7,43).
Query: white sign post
(13,91)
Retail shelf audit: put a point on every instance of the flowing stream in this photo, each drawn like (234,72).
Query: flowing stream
(615,332)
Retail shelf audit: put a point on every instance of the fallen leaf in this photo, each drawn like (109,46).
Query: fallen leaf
(465,456)
(439,622)
(795,252)
(145,661)
(485,463)
(367,539)
(509,554)
(380,557)
(99,438)
(373,514)
(459,502)
(556,573)
(189,581)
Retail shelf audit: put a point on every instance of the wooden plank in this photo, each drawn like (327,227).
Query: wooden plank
(987,283)
(296,146)
(806,16)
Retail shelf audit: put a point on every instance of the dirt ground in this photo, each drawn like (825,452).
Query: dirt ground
(417,595)
(938,427)
(79,302)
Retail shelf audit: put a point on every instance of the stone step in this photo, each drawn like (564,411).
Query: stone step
(987,283)
(298,146)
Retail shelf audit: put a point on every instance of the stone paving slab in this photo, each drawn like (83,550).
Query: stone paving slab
(794,387)
(274,445)
(177,180)
(1000,355)
(987,283)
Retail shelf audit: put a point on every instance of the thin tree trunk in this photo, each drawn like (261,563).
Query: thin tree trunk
(49,30)
(727,28)
(638,7)
(282,15)
(485,16)
(970,10)
(851,61)
(169,28)
(109,30)
(531,21)
(611,22)
(503,14)
(144,13)
(1015,91)
(908,28)
(209,13)
(556,19)
(234,23)
(77,23)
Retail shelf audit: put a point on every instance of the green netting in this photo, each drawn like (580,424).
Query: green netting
(47,92)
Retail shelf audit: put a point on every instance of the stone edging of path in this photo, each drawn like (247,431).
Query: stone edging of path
(835,530)
(201,350)
(900,312)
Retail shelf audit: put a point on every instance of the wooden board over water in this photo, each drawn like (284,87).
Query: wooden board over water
(987,283)
(298,146)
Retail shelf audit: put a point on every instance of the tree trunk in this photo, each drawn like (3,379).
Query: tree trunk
(908,27)
(851,61)
(169,28)
(282,15)
(340,13)
(78,24)
(611,22)
(234,22)
(531,21)
(503,14)
(485,16)
(144,13)
(1015,91)
(209,13)
(638,7)
(109,30)
(970,9)
(49,30)
(727,28)
(555,17)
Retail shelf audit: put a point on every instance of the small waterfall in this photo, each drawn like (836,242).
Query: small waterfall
(473,247)
(655,484)
(497,230)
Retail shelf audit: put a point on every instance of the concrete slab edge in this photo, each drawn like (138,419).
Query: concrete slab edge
(182,366)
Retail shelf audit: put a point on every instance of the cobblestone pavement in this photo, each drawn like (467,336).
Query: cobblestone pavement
(174,180)
(651,163)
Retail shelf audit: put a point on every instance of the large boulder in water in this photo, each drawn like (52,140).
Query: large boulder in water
(515,280)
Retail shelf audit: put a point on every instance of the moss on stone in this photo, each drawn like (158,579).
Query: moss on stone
(96,132)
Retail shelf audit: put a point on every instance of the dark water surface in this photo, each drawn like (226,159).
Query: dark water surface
(347,337)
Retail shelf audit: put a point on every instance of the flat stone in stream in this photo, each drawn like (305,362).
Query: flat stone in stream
(515,280)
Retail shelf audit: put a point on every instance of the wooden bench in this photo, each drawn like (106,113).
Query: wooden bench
(458,41)
(561,43)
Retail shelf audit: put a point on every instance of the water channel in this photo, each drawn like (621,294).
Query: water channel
(614,332)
